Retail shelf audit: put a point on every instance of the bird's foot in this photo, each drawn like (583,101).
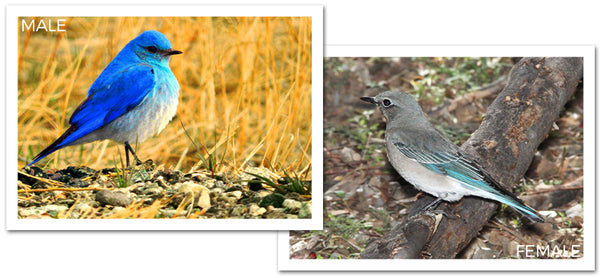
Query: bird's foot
(433,205)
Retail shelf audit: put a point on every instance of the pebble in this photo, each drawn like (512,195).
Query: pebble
(348,155)
(113,198)
(222,197)
(256,210)
(576,210)
(204,199)
(235,194)
(292,205)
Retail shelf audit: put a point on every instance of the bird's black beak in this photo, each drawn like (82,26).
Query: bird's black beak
(170,52)
(369,100)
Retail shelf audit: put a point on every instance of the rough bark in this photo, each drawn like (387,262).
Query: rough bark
(505,143)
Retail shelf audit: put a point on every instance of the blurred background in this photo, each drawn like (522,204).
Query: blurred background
(245,94)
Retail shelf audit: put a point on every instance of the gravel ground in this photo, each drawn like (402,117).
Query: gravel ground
(147,191)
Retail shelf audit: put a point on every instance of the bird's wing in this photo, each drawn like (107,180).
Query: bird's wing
(109,99)
(112,95)
(457,166)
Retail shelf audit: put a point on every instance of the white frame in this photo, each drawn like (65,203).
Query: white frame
(16,11)
(587,263)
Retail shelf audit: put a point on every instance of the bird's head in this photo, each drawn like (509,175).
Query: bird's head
(397,105)
(153,47)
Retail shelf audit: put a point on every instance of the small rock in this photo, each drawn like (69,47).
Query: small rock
(348,155)
(235,194)
(291,205)
(113,198)
(189,187)
(217,191)
(256,210)
(250,172)
(204,199)
(196,192)
(219,185)
(576,210)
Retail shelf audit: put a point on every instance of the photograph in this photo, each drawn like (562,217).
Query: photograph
(473,158)
(287,138)
(168,117)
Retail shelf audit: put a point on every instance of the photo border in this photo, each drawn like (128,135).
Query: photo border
(587,263)
(13,12)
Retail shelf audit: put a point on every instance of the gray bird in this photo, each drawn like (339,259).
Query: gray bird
(429,161)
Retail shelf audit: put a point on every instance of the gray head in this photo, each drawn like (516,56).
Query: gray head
(397,105)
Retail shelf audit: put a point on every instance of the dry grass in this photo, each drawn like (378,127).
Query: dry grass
(245,90)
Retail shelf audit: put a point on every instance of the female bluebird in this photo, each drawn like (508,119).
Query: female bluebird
(133,99)
(429,161)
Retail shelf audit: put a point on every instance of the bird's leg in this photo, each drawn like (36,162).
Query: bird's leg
(129,149)
(431,206)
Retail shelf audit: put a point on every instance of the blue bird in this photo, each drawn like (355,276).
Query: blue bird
(133,99)
(429,161)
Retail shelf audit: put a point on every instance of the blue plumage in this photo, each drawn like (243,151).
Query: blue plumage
(432,163)
(133,98)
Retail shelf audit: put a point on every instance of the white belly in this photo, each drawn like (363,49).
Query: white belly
(147,119)
(424,179)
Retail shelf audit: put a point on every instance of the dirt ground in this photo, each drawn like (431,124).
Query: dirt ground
(364,197)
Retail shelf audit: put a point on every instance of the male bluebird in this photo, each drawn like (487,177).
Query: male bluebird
(429,161)
(133,99)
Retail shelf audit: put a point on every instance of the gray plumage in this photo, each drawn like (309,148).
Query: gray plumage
(431,162)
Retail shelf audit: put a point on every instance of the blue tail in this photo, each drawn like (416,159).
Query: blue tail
(518,205)
(58,144)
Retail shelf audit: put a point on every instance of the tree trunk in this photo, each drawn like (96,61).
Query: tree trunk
(505,143)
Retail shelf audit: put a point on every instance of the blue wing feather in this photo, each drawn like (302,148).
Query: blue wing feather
(466,171)
(110,97)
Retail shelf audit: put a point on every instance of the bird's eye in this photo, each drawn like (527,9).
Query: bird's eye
(387,102)
(152,49)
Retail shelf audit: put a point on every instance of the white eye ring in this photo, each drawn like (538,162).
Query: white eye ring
(386,103)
